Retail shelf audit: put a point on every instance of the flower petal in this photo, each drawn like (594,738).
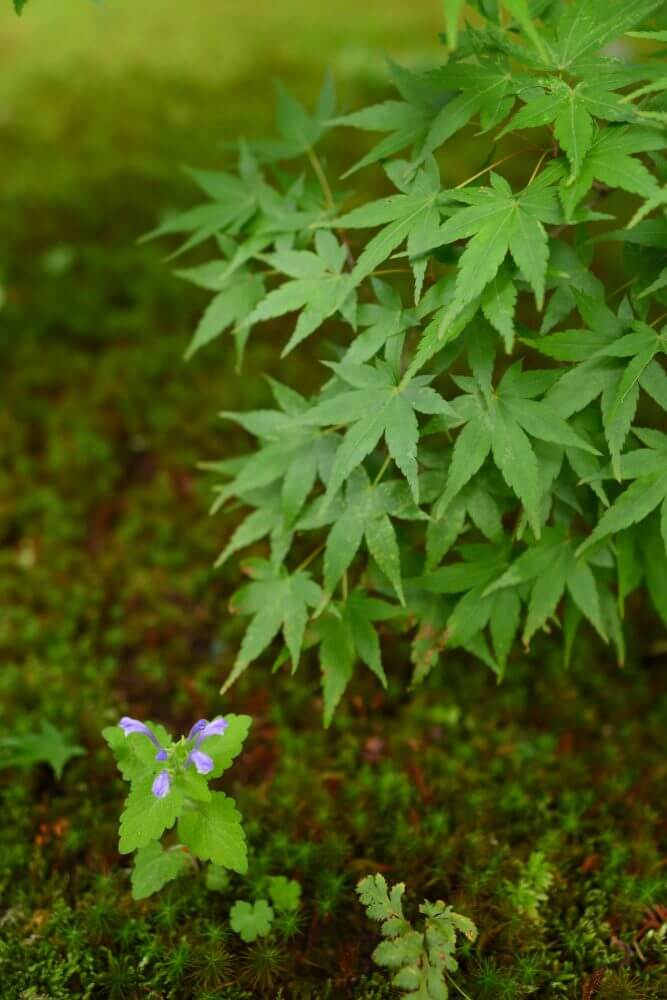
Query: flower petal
(129,725)
(215,728)
(161,785)
(162,755)
(202,762)
(197,728)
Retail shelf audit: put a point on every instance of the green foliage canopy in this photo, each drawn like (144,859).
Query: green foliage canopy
(483,458)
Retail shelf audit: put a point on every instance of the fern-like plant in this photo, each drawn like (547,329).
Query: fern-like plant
(486,456)
(422,960)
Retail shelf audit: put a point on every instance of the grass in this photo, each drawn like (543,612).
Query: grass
(534,807)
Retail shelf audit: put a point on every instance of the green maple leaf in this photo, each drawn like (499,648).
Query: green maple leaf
(382,322)
(412,216)
(276,602)
(610,159)
(233,201)
(553,567)
(317,286)
(293,455)
(568,273)
(498,222)
(571,108)
(431,110)
(213,831)
(298,129)
(238,292)
(648,468)
(251,920)
(453,10)
(47,746)
(501,422)
(377,404)
(347,634)
(364,510)
(476,609)
(475,503)
(613,362)
(154,868)
(267,519)
(588,25)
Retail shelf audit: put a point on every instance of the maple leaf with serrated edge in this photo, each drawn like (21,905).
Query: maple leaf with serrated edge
(298,129)
(611,159)
(238,291)
(614,362)
(571,109)
(317,285)
(552,567)
(46,746)
(276,601)
(413,216)
(234,200)
(498,222)
(476,503)
(293,455)
(377,403)
(588,25)
(381,323)
(347,634)
(648,468)
(363,510)
(500,421)
(436,105)
(475,609)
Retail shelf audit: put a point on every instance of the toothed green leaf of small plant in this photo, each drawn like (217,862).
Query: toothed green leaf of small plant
(251,920)
(285,893)
(421,959)
(154,867)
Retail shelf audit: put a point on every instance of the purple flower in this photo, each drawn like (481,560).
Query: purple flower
(130,726)
(161,785)
(215,728)
(202,762)
(197,728)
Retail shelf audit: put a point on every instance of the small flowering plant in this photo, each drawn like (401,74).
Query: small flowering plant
(169,788)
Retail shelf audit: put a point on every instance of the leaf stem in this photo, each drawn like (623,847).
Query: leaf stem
(382,470)
(456,985)
(309,558)
(316,164)
(496,163)
(537,167)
